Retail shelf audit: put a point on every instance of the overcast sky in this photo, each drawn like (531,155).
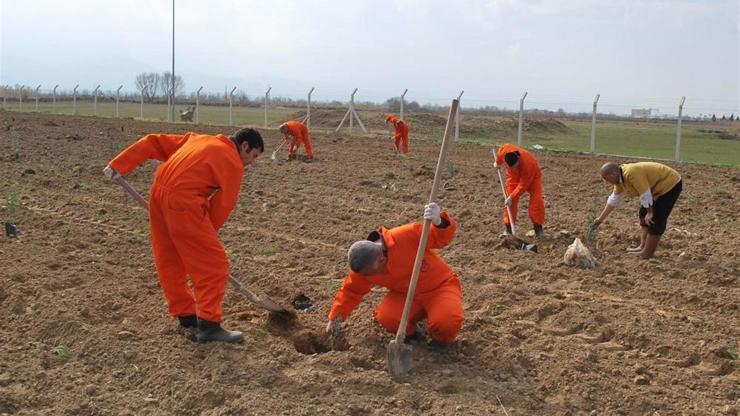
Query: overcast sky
(635,53)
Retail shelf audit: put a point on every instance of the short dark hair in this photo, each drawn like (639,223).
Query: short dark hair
(251,136)
(511,157)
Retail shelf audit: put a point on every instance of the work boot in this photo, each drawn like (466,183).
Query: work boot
(508,229)
(188,321)
(290,157)
(308,159)
(212,331)
(539,233)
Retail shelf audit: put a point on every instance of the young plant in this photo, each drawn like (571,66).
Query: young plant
(496,310)
(62,352)
(590,230)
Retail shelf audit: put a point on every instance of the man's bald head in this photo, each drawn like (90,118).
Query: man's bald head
(364,256)
(610,172)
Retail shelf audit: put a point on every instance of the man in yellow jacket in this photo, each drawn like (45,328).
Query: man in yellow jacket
(658,187)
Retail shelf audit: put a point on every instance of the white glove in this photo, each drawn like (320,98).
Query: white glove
(508,201)
(432,212)
(110,173)
(495,165)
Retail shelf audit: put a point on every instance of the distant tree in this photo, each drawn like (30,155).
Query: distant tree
(166,83)
(732,117)
(723,117)
(714,118)
(151,81)
(393,104)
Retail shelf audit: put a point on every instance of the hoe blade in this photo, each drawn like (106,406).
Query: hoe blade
(399,358)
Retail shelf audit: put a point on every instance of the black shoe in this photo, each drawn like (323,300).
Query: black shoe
(291,157)
(538,230)
(212,331)
(188,321)
(308,160)
(508,229)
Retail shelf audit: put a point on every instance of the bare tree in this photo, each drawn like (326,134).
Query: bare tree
(151,81)
(166,83)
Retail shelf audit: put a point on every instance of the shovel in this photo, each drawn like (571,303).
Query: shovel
(398,353)
(503,192)
(265,303)
(275,152)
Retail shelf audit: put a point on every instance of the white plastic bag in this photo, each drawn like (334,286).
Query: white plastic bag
(579,255)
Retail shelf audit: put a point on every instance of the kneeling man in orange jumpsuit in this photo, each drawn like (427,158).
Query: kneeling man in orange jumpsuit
(295,133)
(523,175)
(192,196)
(400,133)
(386,259)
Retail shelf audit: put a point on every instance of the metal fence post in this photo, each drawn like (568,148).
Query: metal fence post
(197,105)
(118,98)
(231,100)
(521,120)
(308,109)
(141,108)
(95,100)
(402,99)
(267,102)
(54,99)
(457,117)
(20,98)
(593,124)
(37,97)
(74,99)
(678,130)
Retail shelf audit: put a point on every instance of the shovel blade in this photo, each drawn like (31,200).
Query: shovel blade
(399,359)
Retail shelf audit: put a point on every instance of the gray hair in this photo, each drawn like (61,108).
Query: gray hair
(608,168)
(362,254)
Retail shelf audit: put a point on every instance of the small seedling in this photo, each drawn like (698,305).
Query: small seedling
(268,250)
(333,284)
(496,310)
(62,351)
(732,352)
(590,230)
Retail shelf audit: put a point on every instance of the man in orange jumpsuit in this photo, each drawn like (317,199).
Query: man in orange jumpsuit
(193,194)
(386,259)
(295,133)
(400,133)
(523,175)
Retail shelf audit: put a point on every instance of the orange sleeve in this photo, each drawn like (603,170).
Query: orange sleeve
(151,146)
(354,288)
(229,182)
(526,178)
(438,237)
(442,237)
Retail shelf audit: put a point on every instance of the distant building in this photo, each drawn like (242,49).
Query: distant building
(645,112)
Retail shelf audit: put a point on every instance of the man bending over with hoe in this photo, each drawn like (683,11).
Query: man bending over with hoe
(400,133)
(658,187)
(295,133)
(523,175)
(193,194)
(386,259)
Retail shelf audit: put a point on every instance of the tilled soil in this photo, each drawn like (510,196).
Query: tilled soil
(630,337)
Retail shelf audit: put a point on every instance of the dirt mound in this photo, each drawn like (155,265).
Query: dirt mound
(85,328)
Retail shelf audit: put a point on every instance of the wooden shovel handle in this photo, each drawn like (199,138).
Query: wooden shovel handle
(427,224)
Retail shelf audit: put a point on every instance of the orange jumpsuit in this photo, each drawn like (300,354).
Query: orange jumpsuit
(400,133)
(184,222)
(526,177)
(438,295)
(300,132)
